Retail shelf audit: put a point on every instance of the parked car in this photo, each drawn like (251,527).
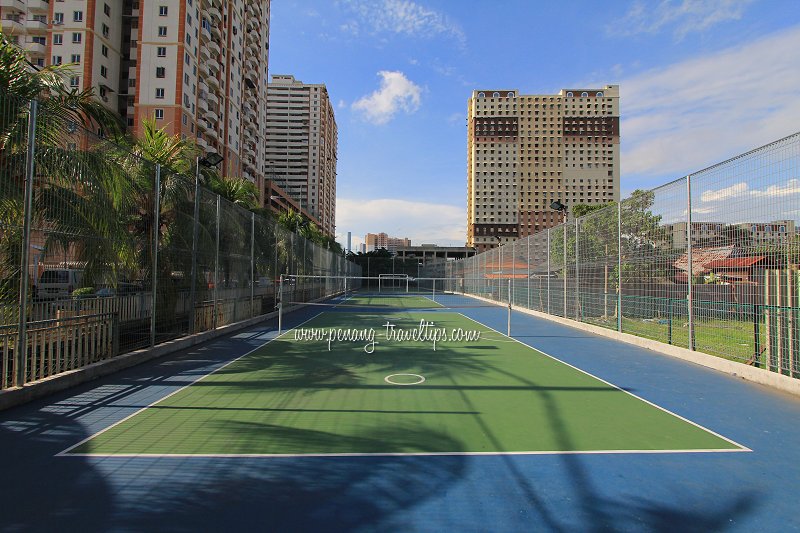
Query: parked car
(58,283)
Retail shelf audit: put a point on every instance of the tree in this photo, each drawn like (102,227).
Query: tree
(74,190)
(237,190)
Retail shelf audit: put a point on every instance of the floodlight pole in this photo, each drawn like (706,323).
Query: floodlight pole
(195,238)
(216,266)
(252,261)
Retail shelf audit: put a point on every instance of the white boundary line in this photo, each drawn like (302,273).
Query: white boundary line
(65,453)
(125,419)
(395,454)
(742,447)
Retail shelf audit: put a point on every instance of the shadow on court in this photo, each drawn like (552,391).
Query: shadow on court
(468,493)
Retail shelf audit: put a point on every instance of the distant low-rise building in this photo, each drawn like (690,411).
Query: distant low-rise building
(376,241)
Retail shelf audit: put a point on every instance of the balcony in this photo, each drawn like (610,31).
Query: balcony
(216,33)
(202,105)
(11,26)
(214,14)
(214,48)
(204,52)
(205,33)
(38,6)
(18,5)
(36,26)
(202,144)
(212,98)
(211,116)
(35,48)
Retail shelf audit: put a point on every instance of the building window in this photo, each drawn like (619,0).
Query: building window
(161,51)
(104,50)
(107,10)
(159,114)
(74,81)
(162,11)
(185,119)
(104,71)
(77,38)
(161,72)
(76,58)
(188,39)
(570,94)
(160,93)
(102,92)
(495,94)
(584,95)
(186,100)
(58,18)
(58,38)
(56,60)
(105,30)
(77,16)
(599,95)
(162,31)
(768,229)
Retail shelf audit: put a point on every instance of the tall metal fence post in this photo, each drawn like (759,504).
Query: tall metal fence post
(511,286)
(548,271)
(195,238)
(22,333)
(528,260)
(154,274)
(577,277)
(619,266)
(252,261)
(564,249)
(690,273)
(216,267)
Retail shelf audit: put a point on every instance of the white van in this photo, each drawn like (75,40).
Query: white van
(58,283)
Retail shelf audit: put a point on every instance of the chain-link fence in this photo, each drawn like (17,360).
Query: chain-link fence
(708,262)
(103,252)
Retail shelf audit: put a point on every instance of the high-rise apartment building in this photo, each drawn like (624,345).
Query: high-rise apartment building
(25,23)
(302,146)
(198,67)
(376,241)
(525,151)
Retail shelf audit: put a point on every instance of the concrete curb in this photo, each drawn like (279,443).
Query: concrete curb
(733,368)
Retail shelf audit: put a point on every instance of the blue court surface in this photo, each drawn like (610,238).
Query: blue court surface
(754,489)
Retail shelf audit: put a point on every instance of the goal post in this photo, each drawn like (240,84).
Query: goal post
(393,282)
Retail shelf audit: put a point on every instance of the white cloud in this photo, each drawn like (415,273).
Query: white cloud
(683,16)
(422,222)
(342,104)
(692,114)
(396,92)
(725,193)
(402,17)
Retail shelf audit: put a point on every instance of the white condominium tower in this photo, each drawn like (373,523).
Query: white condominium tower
(525,151)
(302,146)
(198,67)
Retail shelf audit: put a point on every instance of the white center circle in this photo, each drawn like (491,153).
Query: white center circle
(388,379)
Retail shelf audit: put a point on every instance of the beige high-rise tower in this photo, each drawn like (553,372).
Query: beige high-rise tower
(525,151)
(302,146)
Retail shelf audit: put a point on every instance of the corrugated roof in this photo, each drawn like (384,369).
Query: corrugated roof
(736,262)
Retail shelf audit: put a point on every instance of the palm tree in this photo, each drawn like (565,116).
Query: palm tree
(237,190)
(73,190)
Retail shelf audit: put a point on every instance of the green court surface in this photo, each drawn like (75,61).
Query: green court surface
(495,395)
(407,301)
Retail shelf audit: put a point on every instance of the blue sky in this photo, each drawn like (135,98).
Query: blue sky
(700,81)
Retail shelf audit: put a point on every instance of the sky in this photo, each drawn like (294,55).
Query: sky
(700,81)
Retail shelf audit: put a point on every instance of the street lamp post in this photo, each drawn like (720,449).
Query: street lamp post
(558,206)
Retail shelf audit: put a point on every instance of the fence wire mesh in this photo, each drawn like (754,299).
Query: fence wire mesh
(707,262)
(103,251)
